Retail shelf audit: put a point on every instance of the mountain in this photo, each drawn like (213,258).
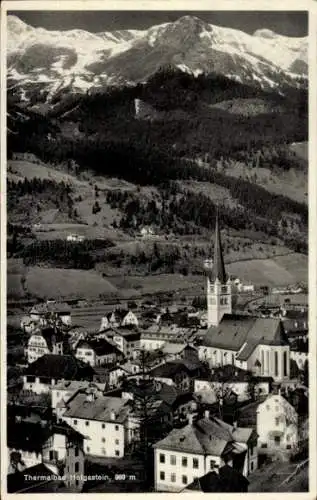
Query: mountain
(42,64)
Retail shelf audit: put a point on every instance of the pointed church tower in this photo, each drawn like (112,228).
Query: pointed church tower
(219,299)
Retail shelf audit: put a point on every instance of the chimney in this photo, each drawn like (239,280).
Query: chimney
(207,414)
(112,415)
(235,425)
(190,419)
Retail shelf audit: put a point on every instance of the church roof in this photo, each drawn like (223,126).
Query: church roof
(237,331)
(218,268)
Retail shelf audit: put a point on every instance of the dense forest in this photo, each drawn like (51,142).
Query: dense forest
(111,141)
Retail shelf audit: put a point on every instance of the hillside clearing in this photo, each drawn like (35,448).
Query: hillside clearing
(62,283)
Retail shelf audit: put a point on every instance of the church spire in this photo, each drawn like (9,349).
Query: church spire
(218,268)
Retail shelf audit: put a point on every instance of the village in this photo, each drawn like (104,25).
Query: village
(166,399)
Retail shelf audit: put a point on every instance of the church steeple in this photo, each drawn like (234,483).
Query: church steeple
(218,285)
(218,268)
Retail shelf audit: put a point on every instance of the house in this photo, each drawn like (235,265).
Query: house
(240,381)
(44,341)
(30,444)
(224,480)
(98,352)
(127,340)
(65,389)
(172,350)
(180,373)
(192,451)
(76,238)
(122,317)
(101,419)
(299,358)
(259,345)
(277,424)
(61,311)
(48,370)
(147,232)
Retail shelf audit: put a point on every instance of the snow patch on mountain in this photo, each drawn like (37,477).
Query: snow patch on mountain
(79,60)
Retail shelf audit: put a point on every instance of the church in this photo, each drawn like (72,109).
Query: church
(258,345)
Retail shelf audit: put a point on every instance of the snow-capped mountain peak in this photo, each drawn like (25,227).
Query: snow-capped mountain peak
(47,62)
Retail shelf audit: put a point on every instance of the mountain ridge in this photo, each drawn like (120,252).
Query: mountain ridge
(78,61)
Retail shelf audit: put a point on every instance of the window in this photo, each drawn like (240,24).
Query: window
(76,466)
(117,441)
(276,363)
(75,422)
(285,363)
(57,394)
(103,440)
(288,437)
(184,479)
(195,463)
(117,453)
(251,449)
(88,449)
(184,461)
(277,421)
(212,464)
(103,426)
(87,423)
(77,482)
(251,465)
(116,427)
(173,478)
(162,458)
(277,440)
(264,445)
(76,451)
(162,476)
(173,460)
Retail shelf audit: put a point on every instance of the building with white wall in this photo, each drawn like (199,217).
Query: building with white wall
(277,424)
(192,451)
(101,419)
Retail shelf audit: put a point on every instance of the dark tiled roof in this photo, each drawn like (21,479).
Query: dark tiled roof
(225,481)
(206,436)
(100,408)
(235,330)
(171,368)
(57,366)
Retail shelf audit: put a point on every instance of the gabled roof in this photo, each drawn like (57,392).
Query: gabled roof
(99,409)
(57,366)
(236,330)
(204,437)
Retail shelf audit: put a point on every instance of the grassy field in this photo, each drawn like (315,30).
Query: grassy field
(15,274)
(55,283)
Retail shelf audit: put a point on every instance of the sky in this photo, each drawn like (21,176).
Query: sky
(282,22)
